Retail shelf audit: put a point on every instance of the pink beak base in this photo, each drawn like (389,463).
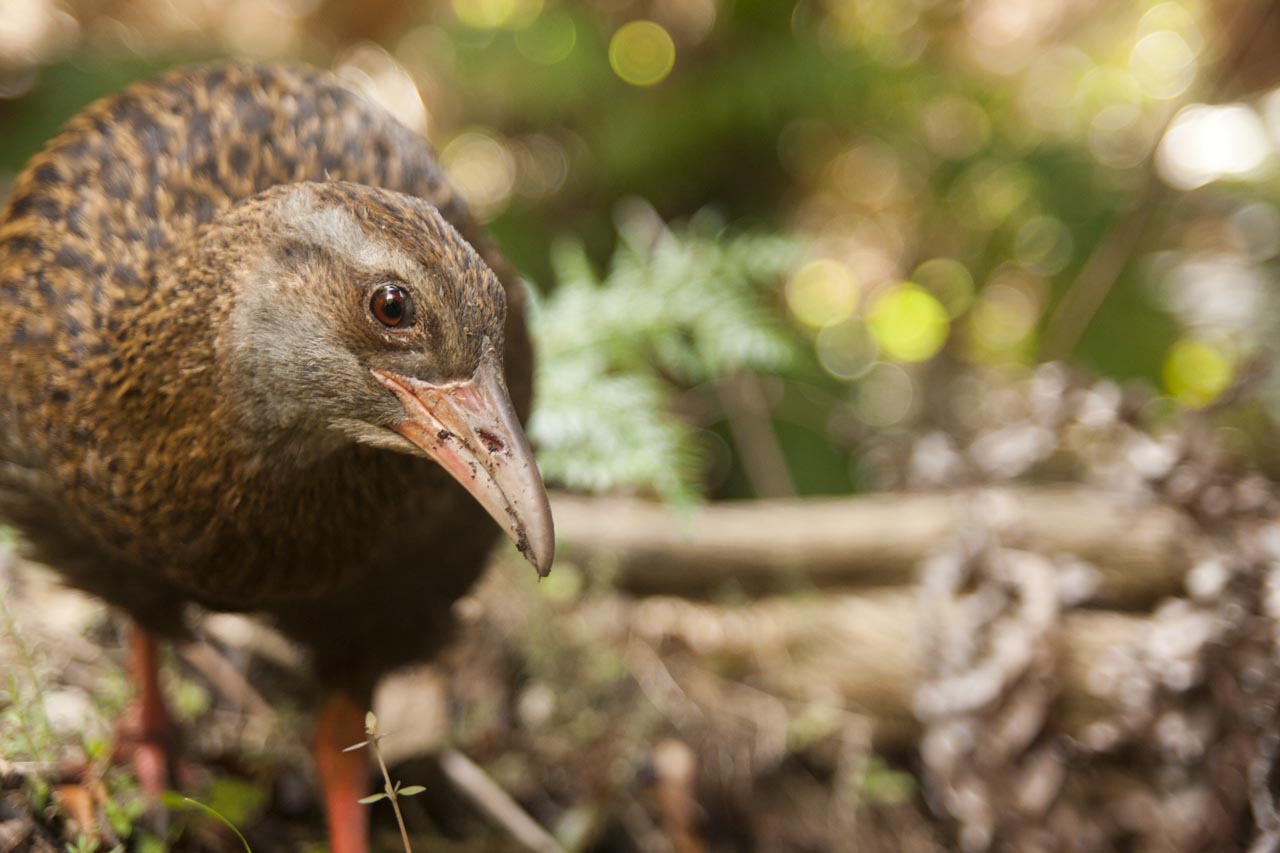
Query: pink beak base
(470,428)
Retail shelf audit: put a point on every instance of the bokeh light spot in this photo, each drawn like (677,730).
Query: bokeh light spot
(642,53)
(1205,143)
(886,395)
(1105,86)
(909,324)
(949,281)
(822,292)
(847,350)
(541,165)
(1270,110)
(23,25)
(954,127)
(1173,16)
(869,173)
(1195,372)
(1120,136)
(482,169)
(690,20)
(1049,93)
(550,39)
(1001,322)
(497,14)
(1258,227)
(997,190)
(380,76)
(1044,245)
(1163,64)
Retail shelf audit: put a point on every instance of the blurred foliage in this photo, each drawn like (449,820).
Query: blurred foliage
(979,185)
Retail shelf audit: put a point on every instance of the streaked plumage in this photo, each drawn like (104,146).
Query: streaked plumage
(167,437)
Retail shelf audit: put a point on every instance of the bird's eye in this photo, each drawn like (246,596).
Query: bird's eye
(392,306)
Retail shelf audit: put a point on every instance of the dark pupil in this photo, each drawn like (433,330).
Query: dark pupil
(388,305)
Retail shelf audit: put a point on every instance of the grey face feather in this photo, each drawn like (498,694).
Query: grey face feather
(310,220)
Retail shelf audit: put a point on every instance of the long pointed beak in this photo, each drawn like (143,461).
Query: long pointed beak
(470,428)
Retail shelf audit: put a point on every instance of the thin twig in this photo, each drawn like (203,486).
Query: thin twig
(209,661)
(1099,274)
(747,412)
(471,780)
(659,685)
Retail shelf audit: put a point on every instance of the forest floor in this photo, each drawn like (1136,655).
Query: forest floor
(554,721)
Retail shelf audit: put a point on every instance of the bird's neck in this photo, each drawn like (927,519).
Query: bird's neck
(183,455)
(175,366)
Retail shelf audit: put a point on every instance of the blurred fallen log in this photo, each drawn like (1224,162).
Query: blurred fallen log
(862,654)
(780,545)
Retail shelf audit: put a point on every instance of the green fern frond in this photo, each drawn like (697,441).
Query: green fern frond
(675,309)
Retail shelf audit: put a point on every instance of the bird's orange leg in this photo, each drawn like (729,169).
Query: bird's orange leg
(144,736)
(344,776)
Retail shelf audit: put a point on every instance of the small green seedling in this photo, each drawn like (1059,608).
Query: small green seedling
(391,790)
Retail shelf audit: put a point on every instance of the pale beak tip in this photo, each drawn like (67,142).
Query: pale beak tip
(539,545)
(542,567)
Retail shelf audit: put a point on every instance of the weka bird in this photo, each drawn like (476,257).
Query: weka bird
(253,359)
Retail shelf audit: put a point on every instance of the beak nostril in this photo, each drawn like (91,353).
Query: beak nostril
(491,441)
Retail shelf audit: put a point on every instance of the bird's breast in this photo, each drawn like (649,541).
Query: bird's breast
(240,538)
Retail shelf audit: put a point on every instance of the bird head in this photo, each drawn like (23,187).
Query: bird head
(363,316)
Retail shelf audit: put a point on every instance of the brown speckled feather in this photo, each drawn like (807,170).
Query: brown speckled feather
(123,454)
